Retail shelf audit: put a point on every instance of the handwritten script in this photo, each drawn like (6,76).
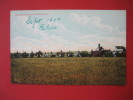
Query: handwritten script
(44,24)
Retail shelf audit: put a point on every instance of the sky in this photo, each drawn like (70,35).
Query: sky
(66,30)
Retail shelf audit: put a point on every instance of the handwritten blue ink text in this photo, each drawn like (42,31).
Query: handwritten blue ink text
(33,21)
(44,24)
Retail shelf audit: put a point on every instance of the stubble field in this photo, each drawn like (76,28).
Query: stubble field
(69,71)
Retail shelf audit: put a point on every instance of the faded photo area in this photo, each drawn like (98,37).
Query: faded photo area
(68,47)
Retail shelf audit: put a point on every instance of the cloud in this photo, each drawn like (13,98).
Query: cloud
(75,17)
(85,20)
(35,39)
(117,31)
(104,31)
(30,44)
(63,38)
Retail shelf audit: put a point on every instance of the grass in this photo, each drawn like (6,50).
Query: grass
(69,71)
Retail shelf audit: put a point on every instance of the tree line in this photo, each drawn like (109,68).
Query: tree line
(40,54)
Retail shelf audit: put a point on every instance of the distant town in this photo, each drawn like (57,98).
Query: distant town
(119,51)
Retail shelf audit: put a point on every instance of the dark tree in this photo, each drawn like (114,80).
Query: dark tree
(57,54)
(16,55)
(62,54)
(11,55)
(84,54)
(25,55)
(39,54)
(70,54)
(31,54)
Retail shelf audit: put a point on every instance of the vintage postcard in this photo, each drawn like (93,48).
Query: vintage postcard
(68,47)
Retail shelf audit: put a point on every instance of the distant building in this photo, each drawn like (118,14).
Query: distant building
(119,49)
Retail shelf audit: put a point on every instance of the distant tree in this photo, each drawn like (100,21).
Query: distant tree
(11,55)
(70,54)
(110,54)
(31,54)
(62,54)
(25,55)
(78,54)
(107,54)
(16,55)
(39,54)
(45,55)
(84,54)
(124,52)
(57,53)
(52,55)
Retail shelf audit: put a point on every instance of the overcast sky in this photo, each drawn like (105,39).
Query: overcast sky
(74,30)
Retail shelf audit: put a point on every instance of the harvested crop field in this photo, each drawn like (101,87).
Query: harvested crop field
(69,71)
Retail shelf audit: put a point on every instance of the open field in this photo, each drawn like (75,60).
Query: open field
(69,71)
